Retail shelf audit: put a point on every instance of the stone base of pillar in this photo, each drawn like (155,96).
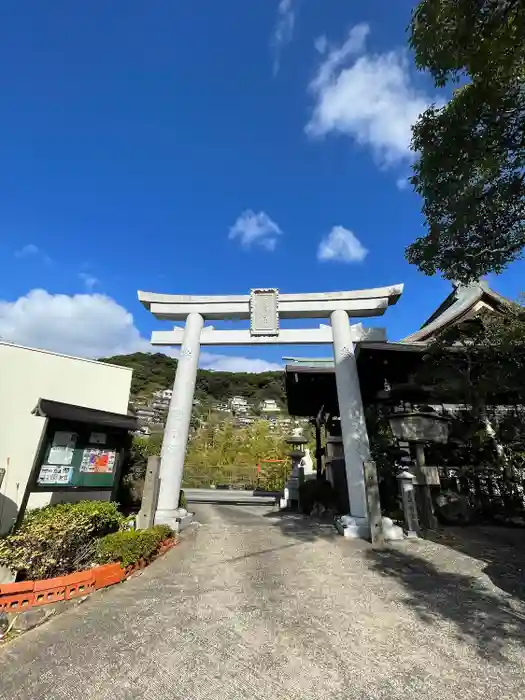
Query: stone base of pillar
(352,527)
(358,528)
(177,519)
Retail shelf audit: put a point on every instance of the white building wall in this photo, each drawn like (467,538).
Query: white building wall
(27,375)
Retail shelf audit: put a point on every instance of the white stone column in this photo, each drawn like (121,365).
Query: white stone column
(178,423)
(353,427)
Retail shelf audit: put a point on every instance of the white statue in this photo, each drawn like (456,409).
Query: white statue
(307,462)
(297,432)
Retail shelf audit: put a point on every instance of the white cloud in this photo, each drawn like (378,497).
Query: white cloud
(31,250)
(342,245)
(92,325)
(26,251)
(87,325)
(321,44)
(369,97)
(402,183)
(231,363)
(89,280)
(283,30)
(255,229)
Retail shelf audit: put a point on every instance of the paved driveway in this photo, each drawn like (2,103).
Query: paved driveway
(262,607)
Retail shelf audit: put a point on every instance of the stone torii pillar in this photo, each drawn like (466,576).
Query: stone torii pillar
(178,423)
(264,308)
(353,427)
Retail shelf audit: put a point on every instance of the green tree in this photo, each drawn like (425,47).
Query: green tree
(471,165)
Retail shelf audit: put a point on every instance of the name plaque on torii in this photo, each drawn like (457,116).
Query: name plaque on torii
(264,312)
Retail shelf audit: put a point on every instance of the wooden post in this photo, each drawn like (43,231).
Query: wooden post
(150,494)
(300,482)
(375,519)
(406,487)
(426,507)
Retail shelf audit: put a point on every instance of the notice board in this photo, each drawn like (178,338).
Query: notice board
(75,456)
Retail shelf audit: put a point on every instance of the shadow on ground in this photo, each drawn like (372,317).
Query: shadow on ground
(303,527)
(482,619)
(502,549)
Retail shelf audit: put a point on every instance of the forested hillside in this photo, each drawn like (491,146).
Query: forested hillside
(154,372)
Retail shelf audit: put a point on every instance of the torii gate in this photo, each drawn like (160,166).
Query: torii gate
(264,308)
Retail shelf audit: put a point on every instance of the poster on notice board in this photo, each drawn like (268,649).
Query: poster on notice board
(62,448)
(99,461)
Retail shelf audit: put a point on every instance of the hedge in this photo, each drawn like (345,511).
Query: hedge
(129,546)
(58,539)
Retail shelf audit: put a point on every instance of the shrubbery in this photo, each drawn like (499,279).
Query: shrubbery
(129,546)
(58,539)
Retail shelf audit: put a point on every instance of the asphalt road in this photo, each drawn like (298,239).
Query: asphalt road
(258,498)
(260,606)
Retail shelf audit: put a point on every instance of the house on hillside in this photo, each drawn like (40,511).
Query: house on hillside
(162,398)
(269,407)
(238,405)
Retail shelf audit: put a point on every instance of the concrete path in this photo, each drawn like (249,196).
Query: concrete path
(262,607)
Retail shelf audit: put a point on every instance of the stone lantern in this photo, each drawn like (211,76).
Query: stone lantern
(302,467)
(418,428)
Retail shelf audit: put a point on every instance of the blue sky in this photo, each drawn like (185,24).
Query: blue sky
(204,147)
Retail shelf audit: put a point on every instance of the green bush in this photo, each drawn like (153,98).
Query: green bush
(129,546)
(165,531)
(58,539)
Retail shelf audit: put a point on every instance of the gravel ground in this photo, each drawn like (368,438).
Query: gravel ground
(257,605)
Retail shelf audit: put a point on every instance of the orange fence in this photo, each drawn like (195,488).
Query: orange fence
(18,597)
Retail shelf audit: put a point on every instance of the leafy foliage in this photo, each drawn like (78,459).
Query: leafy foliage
(224,445)
(155,372)
(386,453)
(480,361)
(222,454)
(470,170)
(141,449)
(480,365)
(134,469)
(51,539)
(129,546)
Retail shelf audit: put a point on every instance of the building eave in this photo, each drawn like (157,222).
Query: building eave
(466,297)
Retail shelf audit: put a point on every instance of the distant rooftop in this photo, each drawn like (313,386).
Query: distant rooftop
(310,361)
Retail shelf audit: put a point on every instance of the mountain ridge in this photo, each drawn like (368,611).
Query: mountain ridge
(155,371)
